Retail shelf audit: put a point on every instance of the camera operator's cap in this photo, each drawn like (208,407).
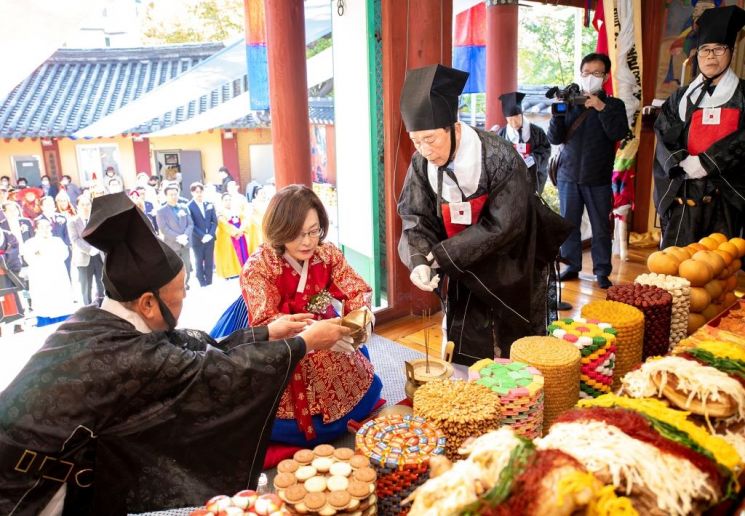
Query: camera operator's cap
(429,99)
(512,103)
(720,25)
(136,260)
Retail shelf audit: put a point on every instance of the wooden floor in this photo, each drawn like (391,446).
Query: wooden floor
(410,331)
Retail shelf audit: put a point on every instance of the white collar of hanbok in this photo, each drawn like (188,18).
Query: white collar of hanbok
(722,93)
(514,137)
(121,311)
(302,270)
(466,166)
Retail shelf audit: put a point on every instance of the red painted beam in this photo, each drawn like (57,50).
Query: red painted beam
(230,153)
(501,58)
(141,149)
(288,91)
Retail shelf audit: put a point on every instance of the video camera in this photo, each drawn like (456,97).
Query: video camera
(565,99)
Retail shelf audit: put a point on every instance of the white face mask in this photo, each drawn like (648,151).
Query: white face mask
(591,84)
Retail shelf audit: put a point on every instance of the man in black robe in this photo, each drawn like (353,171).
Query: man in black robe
(470,212)
(529,140)
(120,413)
(700,157)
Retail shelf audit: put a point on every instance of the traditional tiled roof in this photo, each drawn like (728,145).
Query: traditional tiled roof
(320,111)
(76,87)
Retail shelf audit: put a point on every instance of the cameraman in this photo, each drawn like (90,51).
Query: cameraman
(589,134)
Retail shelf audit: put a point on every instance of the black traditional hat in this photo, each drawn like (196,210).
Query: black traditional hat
(720,25)
(512,103)
(136,260)
(429,99)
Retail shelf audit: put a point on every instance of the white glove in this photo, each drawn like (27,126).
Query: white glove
(206,238)
(693,167)
(420,277)
(343,345)
(182,239)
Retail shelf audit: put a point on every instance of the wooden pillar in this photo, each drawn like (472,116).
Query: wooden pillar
(501,56)
(428,25)
(51,154)
(141,148)
(229,142)
(653,16)
(288,91)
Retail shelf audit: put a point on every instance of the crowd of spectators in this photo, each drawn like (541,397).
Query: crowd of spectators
(47,270)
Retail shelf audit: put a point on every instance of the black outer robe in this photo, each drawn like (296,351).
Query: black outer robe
(497,269)
(724,162)
(540,149)
(177,418)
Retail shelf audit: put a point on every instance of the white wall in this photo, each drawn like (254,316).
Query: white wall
(352,121)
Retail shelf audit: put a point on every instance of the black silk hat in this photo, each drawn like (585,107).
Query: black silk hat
(720,25)
(429,99)
(136,260)
(512,103)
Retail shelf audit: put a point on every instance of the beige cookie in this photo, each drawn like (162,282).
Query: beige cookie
(365,475)
(359,489)
(315,484)
(305,472)
(295,494)
(354,504)
(339,499)
(303,456)
(284,480)
(326,510)
(337,483)
(344,453)
(323,450)
(322,464)
(288,466)
(314,501)
(359,461)
(342,469)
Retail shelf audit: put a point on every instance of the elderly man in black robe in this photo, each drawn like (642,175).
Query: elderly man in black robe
(470,212)
(119,412)
(698,172)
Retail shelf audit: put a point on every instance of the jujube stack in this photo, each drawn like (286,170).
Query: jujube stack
(656,305)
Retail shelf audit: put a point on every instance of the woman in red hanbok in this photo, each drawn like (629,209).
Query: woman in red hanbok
(295,271)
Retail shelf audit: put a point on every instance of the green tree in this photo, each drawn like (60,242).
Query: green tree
(546,48)
(194,21)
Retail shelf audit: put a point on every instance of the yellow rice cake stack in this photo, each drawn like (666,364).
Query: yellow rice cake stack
(559,362)
(459,409)
(629,325)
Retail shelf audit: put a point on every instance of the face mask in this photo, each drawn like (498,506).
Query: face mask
(591,84)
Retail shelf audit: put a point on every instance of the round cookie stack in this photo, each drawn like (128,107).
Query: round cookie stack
(559,362)
(399,449)
(596,342)
(656,304)
(629,325)
(680,290)
(520,390)
(459,409)
(327,481)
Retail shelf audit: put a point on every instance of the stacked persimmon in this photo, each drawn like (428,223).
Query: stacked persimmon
(710,265)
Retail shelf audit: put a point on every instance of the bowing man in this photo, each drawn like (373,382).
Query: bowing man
(470,213)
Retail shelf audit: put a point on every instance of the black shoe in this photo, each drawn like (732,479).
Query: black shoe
(604,282)
(568,275)
(563,306)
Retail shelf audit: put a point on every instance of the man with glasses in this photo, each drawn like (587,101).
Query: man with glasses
(470,213)
(589,134)
(699,181)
